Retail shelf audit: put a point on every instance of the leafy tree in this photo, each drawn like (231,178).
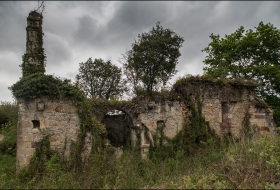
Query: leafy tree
(251,54)
(100,79)
(153,58)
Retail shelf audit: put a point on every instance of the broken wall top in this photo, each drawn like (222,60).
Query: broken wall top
(224,90)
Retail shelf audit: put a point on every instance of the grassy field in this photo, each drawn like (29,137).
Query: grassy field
(236,165)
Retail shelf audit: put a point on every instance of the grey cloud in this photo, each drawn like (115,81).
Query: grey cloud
(56,49)
(75,29)
(87,29)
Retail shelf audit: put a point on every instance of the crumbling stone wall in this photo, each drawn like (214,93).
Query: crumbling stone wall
(227,106)
(57,118)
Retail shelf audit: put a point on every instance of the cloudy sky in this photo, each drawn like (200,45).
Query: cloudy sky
(75,31)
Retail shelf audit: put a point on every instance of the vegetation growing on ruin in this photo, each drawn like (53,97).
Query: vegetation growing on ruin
(253,55)
(195,134)
(246,164)
(37,55)
(205,79)
(194,158)
(38,84)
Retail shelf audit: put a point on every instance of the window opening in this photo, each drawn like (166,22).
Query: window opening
(36,123)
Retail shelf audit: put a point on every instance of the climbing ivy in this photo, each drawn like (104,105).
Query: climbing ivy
(195,134)
(34,61)
(38,84)
(37,163)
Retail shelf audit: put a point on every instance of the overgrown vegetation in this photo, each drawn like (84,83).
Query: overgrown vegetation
(152,60)
(253,55)
(34,60)
(196,134)
(100,79)
(194,158)
(38,84)
(244,164)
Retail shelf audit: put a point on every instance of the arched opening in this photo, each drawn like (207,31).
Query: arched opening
(119,127)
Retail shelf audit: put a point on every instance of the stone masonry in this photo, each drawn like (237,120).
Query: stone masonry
(57,118)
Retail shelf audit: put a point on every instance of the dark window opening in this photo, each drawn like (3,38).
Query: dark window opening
(36,123)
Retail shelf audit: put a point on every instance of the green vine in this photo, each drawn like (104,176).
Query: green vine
(34,61)
(37,163)
(195,134)
(248,133)
(38,84)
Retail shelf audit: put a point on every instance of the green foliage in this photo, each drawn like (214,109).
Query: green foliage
(207,79)
(8,113)
(8,129)
(251,54)
(252,164)
(38,84)
(8,179)
(153,58)
(100,79)
(91,126)
(36,167)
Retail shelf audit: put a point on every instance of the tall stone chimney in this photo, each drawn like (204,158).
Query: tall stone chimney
(34,57)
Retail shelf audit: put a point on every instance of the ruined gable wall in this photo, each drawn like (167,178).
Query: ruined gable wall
(57,118)
(226,110)
(227,107)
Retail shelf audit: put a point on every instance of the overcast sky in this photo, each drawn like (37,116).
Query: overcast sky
(75,31)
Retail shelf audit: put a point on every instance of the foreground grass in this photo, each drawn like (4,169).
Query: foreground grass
(245,164)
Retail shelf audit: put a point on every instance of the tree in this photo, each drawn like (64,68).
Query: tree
(99,78)
(153,58)
(254,54)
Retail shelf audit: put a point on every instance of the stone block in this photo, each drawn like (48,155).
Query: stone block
(26,151)
(55,143)
(28,137)
(26,124)
(48,107)
(23,144)
(60,109)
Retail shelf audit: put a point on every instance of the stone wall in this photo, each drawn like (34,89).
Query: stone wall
(57,118)
(226,108)
(156,115)
(229,109)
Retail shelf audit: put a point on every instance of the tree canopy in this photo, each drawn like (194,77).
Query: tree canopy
(99,78)
(252,54)
(152,60)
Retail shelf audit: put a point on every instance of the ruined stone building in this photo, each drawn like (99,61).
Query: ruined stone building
(227,108)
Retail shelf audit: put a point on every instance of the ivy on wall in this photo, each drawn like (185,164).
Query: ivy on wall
(39,84)
(34,59)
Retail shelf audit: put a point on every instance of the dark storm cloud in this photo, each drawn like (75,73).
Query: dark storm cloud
(78,30)
(130,19)
(87,29)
